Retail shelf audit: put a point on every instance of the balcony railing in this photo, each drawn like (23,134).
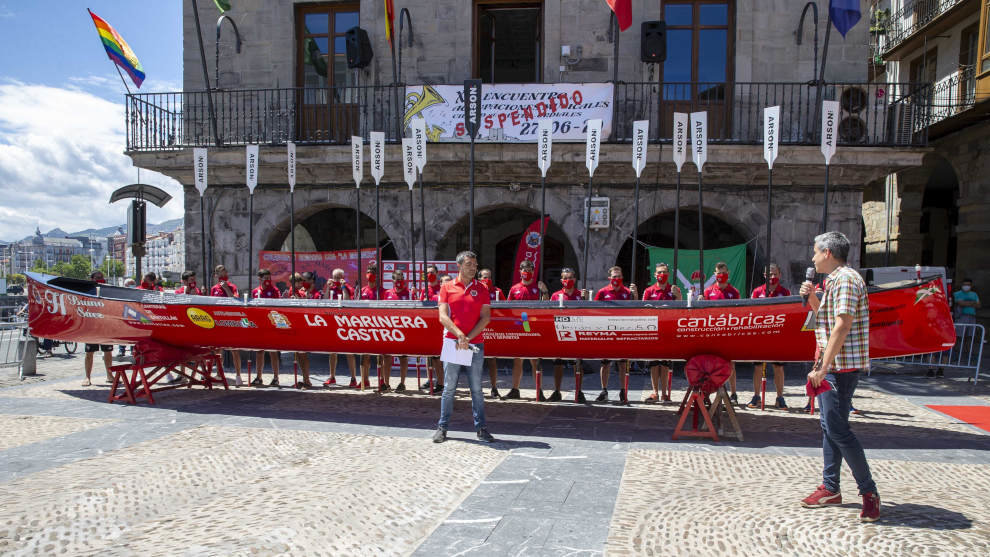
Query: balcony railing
(872,114)
(949,96)
(913,16)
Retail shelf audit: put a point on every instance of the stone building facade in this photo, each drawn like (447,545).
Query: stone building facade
(939,211)
(757,62)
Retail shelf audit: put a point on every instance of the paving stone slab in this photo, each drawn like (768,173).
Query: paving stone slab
(692,503)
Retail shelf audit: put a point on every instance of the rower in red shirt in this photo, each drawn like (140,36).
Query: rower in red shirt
(399,291)
(265,289)
(337,289)
(567,292)
(661,290)
(148,283)
(307,291)
(226,289)
(615,291)
(528,288)
(771,289)
(189,284)
(495,294)
(372,290)
(431,293)
(722,290)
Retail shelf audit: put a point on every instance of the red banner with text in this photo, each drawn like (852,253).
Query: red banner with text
(320,263)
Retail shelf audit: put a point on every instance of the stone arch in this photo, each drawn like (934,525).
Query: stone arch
(927,213)
(721,230)
(498,230)
(328,227)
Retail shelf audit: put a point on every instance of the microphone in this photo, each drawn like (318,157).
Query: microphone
(809,275)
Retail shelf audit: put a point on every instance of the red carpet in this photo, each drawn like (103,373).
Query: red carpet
(978,416)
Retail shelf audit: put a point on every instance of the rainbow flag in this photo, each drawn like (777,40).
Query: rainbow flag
(118,50)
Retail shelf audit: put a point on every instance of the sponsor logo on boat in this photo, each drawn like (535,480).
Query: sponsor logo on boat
(131,314)
(200,318)
(315,320)
(279,320)
(222,313)
(380,328)
(244,323)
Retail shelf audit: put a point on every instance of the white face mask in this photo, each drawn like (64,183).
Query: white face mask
(966,287)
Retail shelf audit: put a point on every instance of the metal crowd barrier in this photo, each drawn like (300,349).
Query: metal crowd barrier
(967,353)
(14,345)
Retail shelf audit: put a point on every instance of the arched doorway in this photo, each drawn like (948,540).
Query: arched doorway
(330,229)
(658,231)
(497,232)
(940,217)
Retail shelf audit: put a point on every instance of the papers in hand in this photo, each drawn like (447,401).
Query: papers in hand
(449,353)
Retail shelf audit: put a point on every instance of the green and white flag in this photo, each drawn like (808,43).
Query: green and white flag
(687,260)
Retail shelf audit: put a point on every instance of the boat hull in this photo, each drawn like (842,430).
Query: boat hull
(911,319)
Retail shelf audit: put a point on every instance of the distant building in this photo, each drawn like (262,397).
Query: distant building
(164,255)
(49,250)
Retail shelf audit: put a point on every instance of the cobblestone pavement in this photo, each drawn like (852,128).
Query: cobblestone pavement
(343,472)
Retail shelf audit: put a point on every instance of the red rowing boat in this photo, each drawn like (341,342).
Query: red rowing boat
(909,319)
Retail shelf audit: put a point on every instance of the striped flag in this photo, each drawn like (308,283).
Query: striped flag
(118,50)
(389,21)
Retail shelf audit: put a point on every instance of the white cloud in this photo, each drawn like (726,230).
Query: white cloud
(61,155)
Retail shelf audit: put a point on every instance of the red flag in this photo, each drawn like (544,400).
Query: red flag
(389,20)
(623,12)
(529,248)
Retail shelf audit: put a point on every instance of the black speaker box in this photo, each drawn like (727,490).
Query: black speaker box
(653,41)
(358,48)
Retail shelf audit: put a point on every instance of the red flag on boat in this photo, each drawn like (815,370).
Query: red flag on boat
(529,248)
(623,12)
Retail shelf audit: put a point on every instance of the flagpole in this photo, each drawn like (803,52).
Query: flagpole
(357,235)
(769,215)
(122,79)
(587,234)
(412,233)
(378,249)
(202,232)
(206,74)
(543,234)
(635,244)
(701,234)
(825,205)
(292,235)
(677,222)
(422,220)
(471,216)
(250,240)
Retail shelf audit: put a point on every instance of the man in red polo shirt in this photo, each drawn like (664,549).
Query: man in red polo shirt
(226,289)
(722,290)
(771,289)
(189,284)
(337,289)
(265,289)
(567,292)
(399,291)
(464,313)
(431,293)
(661,290)
(528,288)
(615,291)
(495,294)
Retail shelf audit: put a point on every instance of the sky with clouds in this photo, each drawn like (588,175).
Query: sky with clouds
(62,111)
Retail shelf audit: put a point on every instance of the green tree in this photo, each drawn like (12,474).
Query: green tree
(78,267)
(16,278)
(112,268)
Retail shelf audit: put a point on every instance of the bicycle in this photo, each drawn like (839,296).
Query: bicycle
(69,347)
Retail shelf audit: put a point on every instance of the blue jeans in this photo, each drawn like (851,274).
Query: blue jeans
(838,441)
(451,373)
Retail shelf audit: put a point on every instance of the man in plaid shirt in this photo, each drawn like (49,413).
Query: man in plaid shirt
(842,335)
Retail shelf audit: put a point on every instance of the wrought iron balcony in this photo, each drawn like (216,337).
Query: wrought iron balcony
(950,96)
(872,114)
(913,17)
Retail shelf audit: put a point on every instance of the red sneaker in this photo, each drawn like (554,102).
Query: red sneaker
(331,381)
(821,498)
(367,384)
(871,508)
(353,383)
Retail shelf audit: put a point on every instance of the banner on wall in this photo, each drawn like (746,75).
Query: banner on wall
(511,112)
(320,263)
(687,260)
